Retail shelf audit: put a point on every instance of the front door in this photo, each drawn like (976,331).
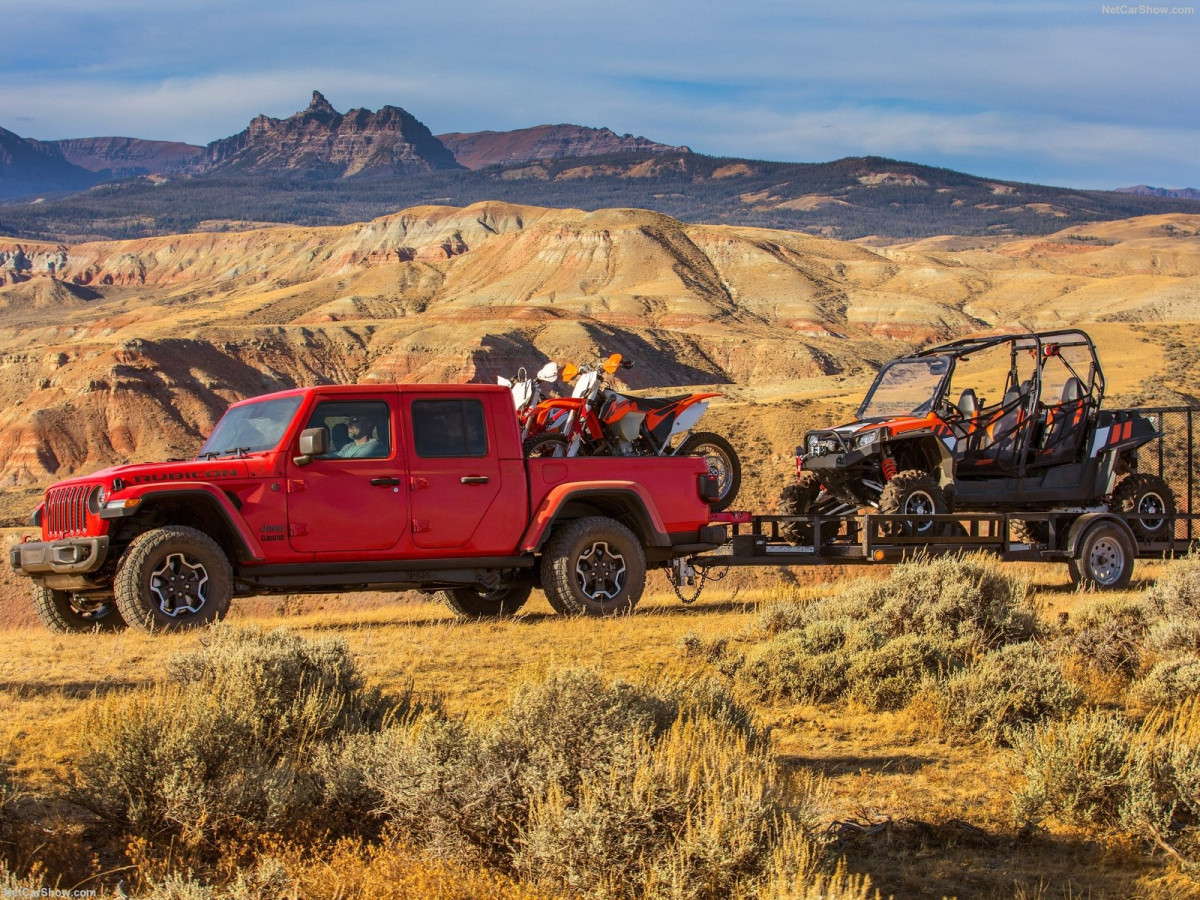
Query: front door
(353,498)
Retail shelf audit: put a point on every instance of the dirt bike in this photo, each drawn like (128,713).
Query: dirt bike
(599,421)
(529,392)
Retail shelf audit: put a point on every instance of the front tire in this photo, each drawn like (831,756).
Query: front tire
(547,444)
(723,464)
(173,578)
(797,499)
(594,566)
(66,613)
(1146,495)
(912,493)
(1104,560)
(472,603)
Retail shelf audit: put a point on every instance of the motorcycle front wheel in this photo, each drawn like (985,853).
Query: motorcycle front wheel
(723,464)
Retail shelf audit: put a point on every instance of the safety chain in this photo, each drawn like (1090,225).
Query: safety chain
(676,579)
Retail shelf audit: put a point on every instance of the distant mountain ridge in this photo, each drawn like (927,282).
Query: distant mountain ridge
(123,157)
(490,148)
(1145,190)
(28,166)
(323,167)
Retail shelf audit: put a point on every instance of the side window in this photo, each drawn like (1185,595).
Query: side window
(443,428)
(357,429)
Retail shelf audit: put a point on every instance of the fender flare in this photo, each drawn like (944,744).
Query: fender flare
(1085,522)
(630,498)
(147,496)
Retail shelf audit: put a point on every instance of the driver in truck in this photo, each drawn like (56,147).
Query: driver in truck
(363,441)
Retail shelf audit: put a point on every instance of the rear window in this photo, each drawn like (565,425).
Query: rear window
(445,428)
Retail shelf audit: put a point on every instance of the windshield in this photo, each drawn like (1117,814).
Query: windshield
(251,427)
(905,387)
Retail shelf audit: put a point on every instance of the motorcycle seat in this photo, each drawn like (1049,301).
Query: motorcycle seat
(653,404)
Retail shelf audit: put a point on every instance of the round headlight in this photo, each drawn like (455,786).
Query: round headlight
(95,500)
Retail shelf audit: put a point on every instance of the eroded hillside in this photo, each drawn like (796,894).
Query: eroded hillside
(122,350)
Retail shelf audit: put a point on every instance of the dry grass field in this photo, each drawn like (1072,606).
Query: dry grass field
(921,808)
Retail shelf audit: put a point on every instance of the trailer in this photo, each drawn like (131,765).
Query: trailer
(1099,545)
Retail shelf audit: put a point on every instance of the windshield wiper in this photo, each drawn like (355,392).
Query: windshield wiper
(239,452)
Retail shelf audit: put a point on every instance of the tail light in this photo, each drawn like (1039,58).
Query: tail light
(710,490)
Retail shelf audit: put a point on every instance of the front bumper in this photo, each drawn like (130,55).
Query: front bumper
(68,556)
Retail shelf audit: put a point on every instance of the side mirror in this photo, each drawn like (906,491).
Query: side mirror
(313,442)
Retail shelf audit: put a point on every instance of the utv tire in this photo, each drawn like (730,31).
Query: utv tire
(912,493)
(594,566)
(1146,495)
(1034,532)
(723,464)
(797,500)
(472,603)
(173,578)
(1104,558)
(549,444)
(67,613)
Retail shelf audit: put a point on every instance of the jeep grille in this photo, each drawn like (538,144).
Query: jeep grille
(66,510)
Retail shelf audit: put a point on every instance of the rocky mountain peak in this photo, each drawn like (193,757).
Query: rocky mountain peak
(320,141)
(320,105)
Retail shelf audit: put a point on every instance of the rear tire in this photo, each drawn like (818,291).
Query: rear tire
(723,463)
(1146,495)
(594,566)
(173,578)
(912,493)
(67,613)
(1104,559)
(471,603)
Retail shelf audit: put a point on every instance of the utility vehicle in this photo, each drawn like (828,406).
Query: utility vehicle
(1011,423)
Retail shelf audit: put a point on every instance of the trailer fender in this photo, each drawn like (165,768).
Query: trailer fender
(1084,523)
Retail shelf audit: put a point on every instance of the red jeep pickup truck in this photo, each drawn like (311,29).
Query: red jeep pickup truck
(362,487)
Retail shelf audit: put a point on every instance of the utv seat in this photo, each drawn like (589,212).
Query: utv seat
(998,438)
(1064,426)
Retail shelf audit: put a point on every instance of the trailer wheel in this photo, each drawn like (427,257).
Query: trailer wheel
(912,493)
(595,566)
(67,613)
(1146,495)
(472,603)
(173,578)
(1104,558)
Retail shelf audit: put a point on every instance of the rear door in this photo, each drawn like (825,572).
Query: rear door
(460,499)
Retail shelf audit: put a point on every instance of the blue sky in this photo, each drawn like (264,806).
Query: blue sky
(1058,92)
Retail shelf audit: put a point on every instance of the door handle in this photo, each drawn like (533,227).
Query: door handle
(473,479)
(385,482)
